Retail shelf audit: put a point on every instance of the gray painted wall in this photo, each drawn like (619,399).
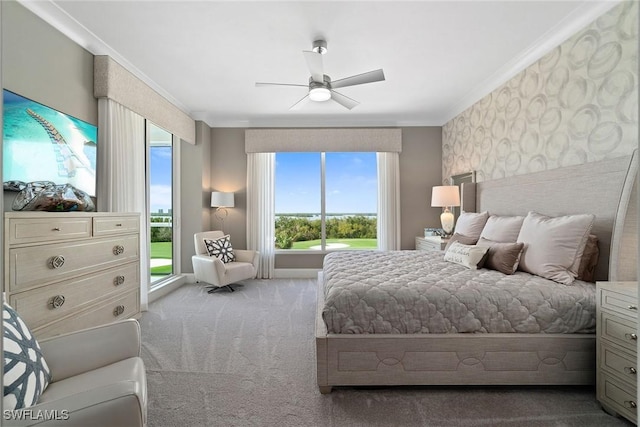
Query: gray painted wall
(420,169)
(42,64)
(229,173)
(194,191)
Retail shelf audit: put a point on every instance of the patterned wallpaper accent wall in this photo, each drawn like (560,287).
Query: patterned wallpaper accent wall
(577,104)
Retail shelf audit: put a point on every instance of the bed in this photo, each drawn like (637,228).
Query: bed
(402,354)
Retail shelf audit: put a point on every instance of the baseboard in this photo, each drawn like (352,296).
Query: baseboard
(167,287)
(296,273)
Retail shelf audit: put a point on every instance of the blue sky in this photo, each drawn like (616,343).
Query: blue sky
(351,183)
(160,177)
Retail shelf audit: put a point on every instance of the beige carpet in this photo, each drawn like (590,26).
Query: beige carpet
(247,359)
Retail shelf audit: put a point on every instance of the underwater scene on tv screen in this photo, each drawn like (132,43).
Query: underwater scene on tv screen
(43,144)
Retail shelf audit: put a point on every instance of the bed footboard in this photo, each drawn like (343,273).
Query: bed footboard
(451,359)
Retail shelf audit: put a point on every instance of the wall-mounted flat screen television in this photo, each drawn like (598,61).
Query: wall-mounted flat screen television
(43,144)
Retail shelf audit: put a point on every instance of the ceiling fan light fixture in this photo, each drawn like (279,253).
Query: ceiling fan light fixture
(319,94)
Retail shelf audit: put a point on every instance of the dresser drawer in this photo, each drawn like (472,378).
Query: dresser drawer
(619,303)
(36,230)
(121,307)
(618,396)
(619,362)
(36,307)
(618,330)
(110,225)
(37,266)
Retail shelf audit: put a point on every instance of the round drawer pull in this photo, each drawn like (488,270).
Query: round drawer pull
(630,370)
(632,337)
(118,250)
(632,307)
(118,310)
(118,225)
(56,261)
(118,280)
(630,404)
(55,229)
(56,301)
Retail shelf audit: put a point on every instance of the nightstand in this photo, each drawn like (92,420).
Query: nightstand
(616,346)
(431,243)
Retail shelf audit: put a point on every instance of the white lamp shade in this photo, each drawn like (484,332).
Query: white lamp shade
(445,195)
(222,200)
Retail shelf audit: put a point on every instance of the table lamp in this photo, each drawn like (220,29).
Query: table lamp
(446,196)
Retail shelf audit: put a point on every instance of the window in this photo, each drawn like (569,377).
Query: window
(160,190)
(326,201)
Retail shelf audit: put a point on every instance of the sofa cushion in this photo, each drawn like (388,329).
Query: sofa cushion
(26,374)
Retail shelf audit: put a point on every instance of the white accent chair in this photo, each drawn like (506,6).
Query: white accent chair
(97,375)
(213,271)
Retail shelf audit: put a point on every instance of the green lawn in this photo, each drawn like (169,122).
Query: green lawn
(353,243)
(161,250)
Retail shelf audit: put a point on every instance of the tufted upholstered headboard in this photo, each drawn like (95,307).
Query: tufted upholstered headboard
(607,188)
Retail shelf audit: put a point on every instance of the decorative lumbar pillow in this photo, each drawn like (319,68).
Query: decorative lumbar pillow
(554,246)
(467,255)
(502,228)
(471,224)
(26,374)
(501,256)
(221,248)
(465,240)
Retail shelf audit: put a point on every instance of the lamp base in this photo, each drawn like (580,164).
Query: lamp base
(446,219)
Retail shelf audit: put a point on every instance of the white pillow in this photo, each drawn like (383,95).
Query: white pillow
(503,229)
(467,255)
(471,224)
(554,246)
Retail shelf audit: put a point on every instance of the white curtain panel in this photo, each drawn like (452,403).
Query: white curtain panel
(388,201)
(121,167)
(261,210)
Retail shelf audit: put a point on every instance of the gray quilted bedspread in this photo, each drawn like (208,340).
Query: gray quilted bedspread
(409,292)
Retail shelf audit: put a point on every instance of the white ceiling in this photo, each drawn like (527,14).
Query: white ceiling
(439,57)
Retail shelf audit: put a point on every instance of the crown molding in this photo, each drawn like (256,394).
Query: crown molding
(52,14)
(574,22)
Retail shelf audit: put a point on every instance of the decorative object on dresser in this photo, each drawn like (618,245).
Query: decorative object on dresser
(445,196)
(616,342)
(431,243)
(68,271)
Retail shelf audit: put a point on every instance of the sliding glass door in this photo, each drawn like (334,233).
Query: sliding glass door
(160,195)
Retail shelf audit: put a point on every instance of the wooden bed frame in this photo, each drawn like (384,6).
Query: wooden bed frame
(607,189)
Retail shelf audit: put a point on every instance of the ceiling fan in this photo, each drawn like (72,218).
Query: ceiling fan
(321,88)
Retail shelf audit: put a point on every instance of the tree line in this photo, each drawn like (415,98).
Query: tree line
(290,229)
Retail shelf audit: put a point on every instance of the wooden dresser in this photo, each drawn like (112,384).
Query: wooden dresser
(68,271)
(616,341)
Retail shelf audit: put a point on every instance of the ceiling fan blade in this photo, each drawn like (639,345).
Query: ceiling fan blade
(344,100)
(316,67)
(298,105)
(359,79)
(259,84)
